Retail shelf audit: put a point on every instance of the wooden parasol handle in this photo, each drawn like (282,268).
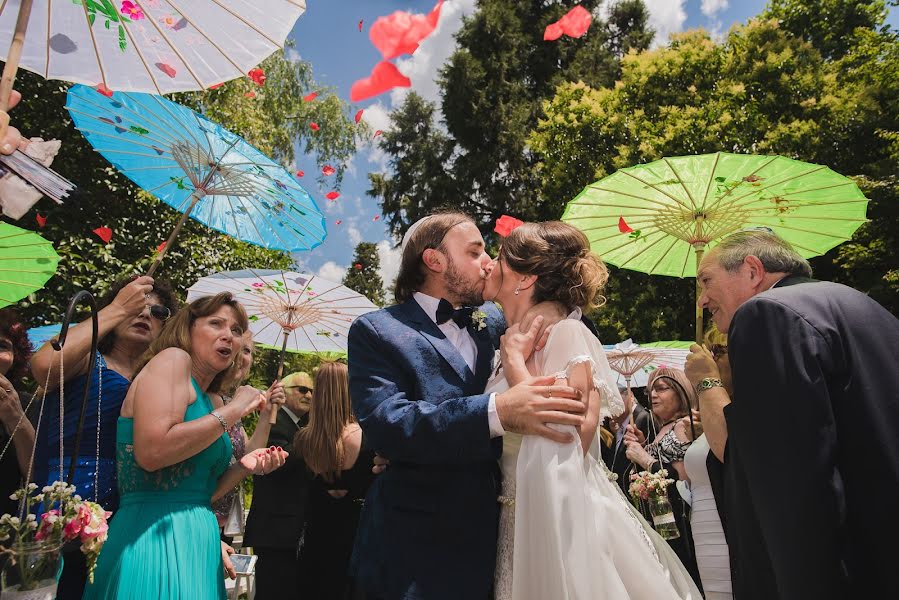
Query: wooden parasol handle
(274,416)
(195,197)
(12,63)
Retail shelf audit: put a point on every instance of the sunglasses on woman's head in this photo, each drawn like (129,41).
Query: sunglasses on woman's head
(160,312)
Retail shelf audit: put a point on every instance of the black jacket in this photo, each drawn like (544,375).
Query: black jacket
(812,458)
(277,513)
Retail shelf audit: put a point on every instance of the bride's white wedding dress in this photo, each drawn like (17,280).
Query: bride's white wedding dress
(566,530)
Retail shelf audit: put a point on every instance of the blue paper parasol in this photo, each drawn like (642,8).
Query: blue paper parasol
(38,336)
(198,168)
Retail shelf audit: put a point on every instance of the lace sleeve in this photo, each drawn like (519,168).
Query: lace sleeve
(571,344)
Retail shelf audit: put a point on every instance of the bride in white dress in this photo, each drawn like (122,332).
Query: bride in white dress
(566,530)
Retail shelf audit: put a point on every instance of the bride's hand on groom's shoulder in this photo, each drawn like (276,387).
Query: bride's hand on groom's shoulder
(529,407)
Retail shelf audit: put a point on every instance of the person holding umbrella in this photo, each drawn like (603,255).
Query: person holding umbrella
(130,318)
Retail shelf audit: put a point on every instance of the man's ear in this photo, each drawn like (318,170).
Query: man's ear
(434,260)
(755,269)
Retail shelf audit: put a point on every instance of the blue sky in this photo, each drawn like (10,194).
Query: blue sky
(327,36)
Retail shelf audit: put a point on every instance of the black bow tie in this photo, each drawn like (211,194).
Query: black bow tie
(460,316)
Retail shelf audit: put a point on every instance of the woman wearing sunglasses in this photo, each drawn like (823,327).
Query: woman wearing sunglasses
(130,318)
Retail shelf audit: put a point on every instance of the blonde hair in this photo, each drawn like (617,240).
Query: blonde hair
(559,255)
(233,382)
(176,332)
(320,443)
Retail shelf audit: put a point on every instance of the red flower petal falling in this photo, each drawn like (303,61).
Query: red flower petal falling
(300,173)
(401,32)
(314,126)
(358,116)
(328,170)
(104,233)
(384,77)
(574,24)
(257,75)
(623,227)
(310,97)
(41,219)
(332,195)
(506,224)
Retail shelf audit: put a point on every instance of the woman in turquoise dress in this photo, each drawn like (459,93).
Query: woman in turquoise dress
(173,455)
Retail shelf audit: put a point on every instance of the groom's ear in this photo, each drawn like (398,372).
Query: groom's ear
(434,260)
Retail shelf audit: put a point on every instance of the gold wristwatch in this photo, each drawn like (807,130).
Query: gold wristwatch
(707,384)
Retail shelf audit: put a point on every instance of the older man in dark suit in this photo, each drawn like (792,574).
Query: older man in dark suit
(278,513)
(812,454)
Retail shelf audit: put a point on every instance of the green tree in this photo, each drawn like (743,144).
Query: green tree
(275,121)
(831,26)
(763,90)
(491,89)
(364,274)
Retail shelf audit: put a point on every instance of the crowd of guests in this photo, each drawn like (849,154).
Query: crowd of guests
(167,401)
(167,383)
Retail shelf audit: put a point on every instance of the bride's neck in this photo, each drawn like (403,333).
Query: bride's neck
(515,308)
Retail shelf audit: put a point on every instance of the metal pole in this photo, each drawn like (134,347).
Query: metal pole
(274,416)
(58,344)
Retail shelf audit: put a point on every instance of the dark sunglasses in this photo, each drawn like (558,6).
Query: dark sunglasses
(302,388)
(160,312)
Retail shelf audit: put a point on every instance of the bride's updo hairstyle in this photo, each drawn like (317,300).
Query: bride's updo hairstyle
(559,255)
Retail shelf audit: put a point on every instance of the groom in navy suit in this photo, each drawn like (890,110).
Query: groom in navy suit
(417,376)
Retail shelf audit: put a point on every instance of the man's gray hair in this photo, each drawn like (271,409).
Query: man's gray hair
(776,255)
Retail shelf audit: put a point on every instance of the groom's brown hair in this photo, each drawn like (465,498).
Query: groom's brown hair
(428,234)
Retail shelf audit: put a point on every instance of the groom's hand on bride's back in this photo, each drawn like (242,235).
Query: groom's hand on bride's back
(528,407)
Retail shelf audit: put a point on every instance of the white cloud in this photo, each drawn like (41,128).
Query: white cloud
(422,66)
(377,116)
(666,17)
(332,271)
(710,8)
(390,262)
(354,235)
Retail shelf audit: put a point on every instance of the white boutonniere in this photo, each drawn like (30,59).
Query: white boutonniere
(479,319)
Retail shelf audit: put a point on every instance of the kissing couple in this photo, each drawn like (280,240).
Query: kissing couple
(489,419)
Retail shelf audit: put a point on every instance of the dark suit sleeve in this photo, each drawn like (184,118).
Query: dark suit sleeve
(782,425)
(411,430)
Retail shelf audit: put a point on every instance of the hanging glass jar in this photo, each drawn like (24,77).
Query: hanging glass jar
(663,517)
(31,571)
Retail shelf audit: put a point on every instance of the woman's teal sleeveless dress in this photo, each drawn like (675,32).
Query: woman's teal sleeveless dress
(164,540)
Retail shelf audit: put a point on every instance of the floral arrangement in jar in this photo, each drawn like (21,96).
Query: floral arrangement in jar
(652,488)
(32,545)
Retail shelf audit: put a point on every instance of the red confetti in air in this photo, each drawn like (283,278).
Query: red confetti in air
(41,219)
(104,233)
(360,25)
(384,77)
(623,227)
(314,126)
(402,32)
(358,116)
(257,75)
(300,173)
(377,218)
(310,97)
(166,68)
(338,222)
(332,195)
(328,170)
(574,24)
(377,133)
(358,266)
(102,89)
(250,95)
(160,248)
(215,86)
(506,225)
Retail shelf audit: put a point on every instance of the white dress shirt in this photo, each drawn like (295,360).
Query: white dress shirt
(463,342)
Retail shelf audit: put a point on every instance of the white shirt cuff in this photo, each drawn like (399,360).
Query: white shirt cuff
(496,428)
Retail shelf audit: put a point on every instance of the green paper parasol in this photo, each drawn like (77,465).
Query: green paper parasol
(27,261)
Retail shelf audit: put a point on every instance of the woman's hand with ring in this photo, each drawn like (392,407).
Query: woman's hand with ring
(264,460)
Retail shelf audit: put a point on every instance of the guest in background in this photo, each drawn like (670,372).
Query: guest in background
(15,351)
(278,510)
(672,399)
(230,506)
(703,477)
(131,316)
(332,447)
(811,431)
(636,416)
(173,459)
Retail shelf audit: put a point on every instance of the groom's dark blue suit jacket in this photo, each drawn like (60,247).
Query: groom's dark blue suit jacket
(428,527)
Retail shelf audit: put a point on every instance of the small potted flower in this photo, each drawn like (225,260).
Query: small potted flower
(652,488)
(32,546)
